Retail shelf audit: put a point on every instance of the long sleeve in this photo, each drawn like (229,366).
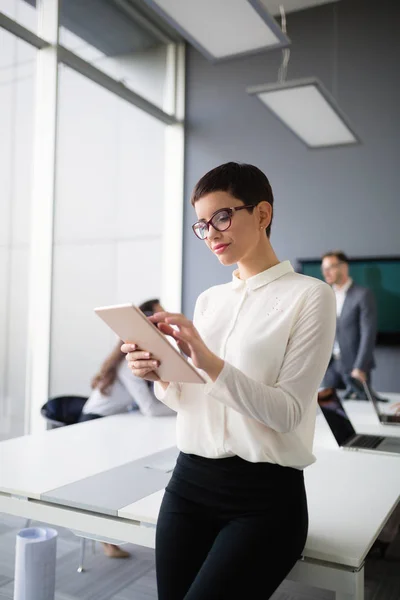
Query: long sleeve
(281,406)
(171,396)
(368,326)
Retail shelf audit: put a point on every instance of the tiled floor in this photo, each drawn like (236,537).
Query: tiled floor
(134,578)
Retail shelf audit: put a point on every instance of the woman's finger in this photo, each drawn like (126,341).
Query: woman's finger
(128,348)
(141,364)
(141,372)
(165,329)
(181,336)
(158,317)
(163,316)
(179,320)
(139,354)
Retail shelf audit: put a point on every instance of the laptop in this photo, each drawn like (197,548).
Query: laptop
(384,418)
(345,434)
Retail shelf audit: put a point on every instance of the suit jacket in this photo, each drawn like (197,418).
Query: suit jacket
(356,329)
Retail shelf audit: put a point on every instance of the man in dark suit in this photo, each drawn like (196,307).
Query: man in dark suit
(353,350)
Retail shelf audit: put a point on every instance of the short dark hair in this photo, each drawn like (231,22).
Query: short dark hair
(244,182)
(148,306)
(341,256)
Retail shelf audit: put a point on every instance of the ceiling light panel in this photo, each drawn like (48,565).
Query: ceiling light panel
(307,108)
(222,29)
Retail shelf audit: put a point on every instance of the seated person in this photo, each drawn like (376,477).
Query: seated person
(117,390)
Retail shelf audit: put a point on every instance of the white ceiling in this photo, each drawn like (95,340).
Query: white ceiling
(292,5)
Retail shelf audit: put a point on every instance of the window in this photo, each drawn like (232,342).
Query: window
(17,79)
(90,195)
(21,11)
(108,223)
(117,38)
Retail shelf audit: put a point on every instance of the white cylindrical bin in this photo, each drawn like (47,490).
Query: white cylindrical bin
(35,564)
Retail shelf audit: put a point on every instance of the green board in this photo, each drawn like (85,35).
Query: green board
(382,276)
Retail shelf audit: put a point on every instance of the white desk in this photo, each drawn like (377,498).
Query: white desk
(32,465)
(347,509)
(340,499)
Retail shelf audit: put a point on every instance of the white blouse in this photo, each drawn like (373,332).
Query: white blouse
(275,332)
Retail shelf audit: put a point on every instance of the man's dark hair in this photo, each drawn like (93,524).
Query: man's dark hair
(341,256)
(148,306)
(244,182)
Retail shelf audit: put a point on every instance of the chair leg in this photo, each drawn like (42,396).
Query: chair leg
(82,555)
(28,522)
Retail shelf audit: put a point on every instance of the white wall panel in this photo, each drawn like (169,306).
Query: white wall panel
(139,272)
(84,277)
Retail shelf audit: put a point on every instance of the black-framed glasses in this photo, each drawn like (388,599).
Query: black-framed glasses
(221,220)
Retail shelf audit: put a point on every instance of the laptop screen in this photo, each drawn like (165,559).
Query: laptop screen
(371,397)
(337,418)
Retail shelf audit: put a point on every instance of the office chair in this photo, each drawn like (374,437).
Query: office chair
(63,410)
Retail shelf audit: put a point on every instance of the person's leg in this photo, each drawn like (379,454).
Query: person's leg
(251,556)
(185,534)
(332,378)
(114,551)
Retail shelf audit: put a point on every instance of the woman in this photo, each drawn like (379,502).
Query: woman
(233,520)
(116,390)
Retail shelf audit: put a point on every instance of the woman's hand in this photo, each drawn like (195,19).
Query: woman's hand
(189,341)
(140,362)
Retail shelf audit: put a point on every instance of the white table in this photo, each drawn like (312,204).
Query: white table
(347,508)
(347,511)
(34,464)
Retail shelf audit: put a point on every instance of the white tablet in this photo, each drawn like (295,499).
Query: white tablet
(132,326)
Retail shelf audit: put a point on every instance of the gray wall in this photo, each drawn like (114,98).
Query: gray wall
(339,198)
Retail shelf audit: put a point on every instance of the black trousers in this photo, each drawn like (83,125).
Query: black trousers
(338,378)
(229,529)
